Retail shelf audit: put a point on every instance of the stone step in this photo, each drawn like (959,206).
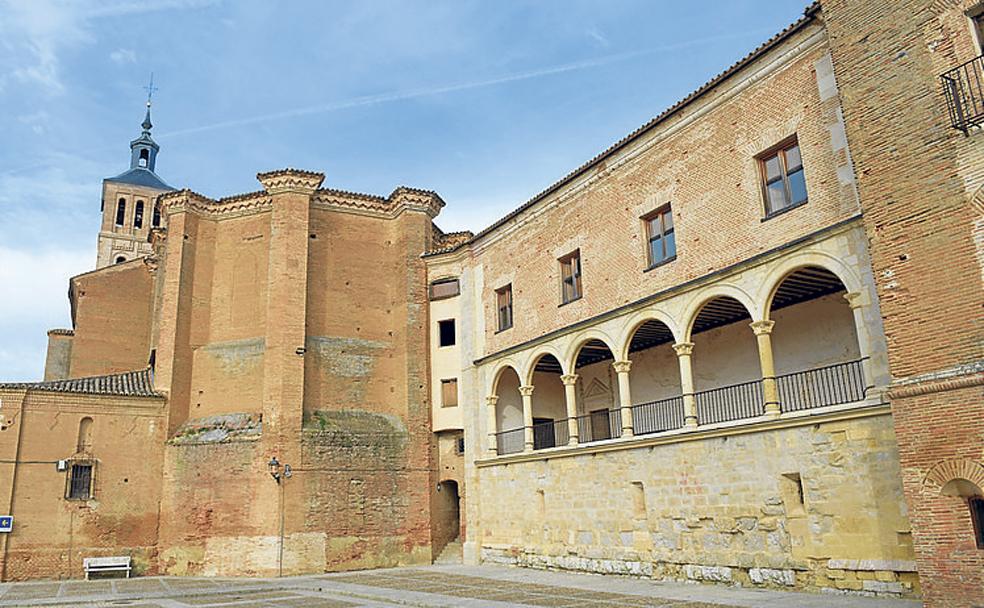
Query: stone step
(451,554)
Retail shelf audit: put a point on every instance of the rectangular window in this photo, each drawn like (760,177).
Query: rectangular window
(570,277)
(782,176)
(977,23)
(445,330)
(977,516)
(460,445)
(80,482)
(660,236)
(445,288)
(449,392)
(138,215)
(504,306)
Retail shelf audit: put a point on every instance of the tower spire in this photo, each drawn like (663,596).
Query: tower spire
(150,88)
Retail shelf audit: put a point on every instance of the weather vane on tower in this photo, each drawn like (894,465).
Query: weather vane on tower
(150,88)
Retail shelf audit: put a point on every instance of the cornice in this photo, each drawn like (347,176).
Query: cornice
(290,180)
(414,199)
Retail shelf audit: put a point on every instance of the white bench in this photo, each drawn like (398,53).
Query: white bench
(106,564)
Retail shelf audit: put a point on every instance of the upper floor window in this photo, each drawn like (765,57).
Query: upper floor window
(138,215)
(445,331)
(976,505)
(782,176)
(449,392)
(660,237)
(445,288)
(504,306)
(156,221)
(120,211)
(570,277)
(79,481)
(977,23)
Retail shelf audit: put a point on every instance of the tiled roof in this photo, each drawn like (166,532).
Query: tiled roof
(127,384)
(808,14)
(141,177)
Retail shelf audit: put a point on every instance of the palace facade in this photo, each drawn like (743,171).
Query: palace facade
(742,345)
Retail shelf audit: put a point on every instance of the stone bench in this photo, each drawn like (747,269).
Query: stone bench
(106,564)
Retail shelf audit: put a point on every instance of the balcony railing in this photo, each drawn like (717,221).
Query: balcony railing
(599,426)
(657,416)
(730,403)
(964,90)
(550,434)
(823,386)
(510,442)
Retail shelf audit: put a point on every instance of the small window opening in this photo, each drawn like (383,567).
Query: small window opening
(445,329)
(120,259)
(976,505)
(449,392)
(459,446)
(138,215)
(120,211)
(793,496)
(80,481)
(144,157)
(783,179)
(157,216)
(570,277)
(660,236)
(504,306)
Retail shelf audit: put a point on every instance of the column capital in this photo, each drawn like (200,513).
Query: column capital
(569,379)
(622,367)
(492,400)
(526,391)
(855,299)
(684,349)
(762,328)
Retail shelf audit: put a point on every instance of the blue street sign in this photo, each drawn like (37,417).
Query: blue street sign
(6,523)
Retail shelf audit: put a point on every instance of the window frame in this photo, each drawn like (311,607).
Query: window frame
(571,271)
(659,213)
(779,151)
(446,382)
(69,480)
(440,333)
(505,290)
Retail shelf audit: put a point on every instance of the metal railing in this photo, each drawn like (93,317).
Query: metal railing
(657,416)
(510,442)
(730,403)
(964,90)
(822,386)
(599,426)
(550,434)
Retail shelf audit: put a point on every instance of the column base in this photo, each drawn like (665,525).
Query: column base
(772,410)
(690,422)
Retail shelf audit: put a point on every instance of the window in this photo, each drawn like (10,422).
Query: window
(157,216)
(570,277)
(120,259)
(459,445)
(138,215)
(449,392)
(783,179)
(976,505)
(977,23)
(144,157)
(120,211)
(445,288)
(504,306)
(80,481)
(660,237)
(445,330)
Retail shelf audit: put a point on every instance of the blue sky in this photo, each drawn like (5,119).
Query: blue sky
(485,102)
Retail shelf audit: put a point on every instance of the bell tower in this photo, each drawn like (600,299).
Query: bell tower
(129,200)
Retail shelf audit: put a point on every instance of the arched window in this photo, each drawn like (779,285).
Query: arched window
(144,157)
(120,259)
(120,211)
(85,435)
(157,216)
(138,215)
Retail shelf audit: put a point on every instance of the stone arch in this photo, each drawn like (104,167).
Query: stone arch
(638,320)
(497,372)
(540,353)
(723,290)
(773,280)
(570,358)
(939,480)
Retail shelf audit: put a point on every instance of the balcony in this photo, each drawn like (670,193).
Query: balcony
(804,390)
(963,87)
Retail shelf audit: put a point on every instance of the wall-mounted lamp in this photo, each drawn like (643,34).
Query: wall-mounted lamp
(275,466)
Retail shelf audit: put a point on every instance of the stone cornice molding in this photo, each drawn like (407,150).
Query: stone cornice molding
(413,199)
(287,180)
(964,376)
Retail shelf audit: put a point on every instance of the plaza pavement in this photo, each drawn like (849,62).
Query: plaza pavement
(434,586)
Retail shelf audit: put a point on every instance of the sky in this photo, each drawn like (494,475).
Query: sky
(486,103)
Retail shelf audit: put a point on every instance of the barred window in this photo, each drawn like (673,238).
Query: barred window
(783,178)
(445,288)
(570,277)
(80,481)
(504,306)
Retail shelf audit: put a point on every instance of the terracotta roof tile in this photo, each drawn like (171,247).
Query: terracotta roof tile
(126,384)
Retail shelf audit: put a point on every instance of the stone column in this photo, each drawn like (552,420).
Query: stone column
(491,402)
(763,335)
(684,350)
(856,301)
(624,395)
(570,396)
(527,393)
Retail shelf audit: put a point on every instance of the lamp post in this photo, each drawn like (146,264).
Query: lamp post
(275,467)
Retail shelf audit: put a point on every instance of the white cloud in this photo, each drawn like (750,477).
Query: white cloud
(123,56)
